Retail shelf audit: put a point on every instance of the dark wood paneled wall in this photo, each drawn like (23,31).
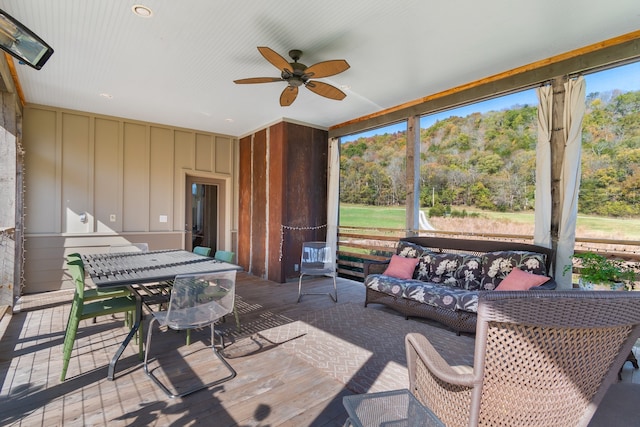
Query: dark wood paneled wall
(278,182)
(283,201)
(244,202)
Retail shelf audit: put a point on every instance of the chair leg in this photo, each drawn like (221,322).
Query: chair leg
(334,296)
(300,288)
(235,314)
(232,372)
(140,337)
(69,340)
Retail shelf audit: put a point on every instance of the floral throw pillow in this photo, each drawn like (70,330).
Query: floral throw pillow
(496,266)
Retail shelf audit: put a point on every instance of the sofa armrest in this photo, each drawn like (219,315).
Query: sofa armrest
(375,267)
(549,285)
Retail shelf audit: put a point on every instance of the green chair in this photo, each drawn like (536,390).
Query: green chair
(95,293)
(81,309)
(202,250)
(226,256)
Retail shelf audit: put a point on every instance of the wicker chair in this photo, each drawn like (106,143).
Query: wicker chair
(543,358)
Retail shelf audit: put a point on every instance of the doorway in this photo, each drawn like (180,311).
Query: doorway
(204,214)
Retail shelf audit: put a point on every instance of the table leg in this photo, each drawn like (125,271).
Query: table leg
(125,343)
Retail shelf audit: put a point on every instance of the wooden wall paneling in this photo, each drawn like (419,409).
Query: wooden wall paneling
(223,155)
(243,254)
(77,171)
(161,192)
(277,200)
(39,138)
(135,178)
(204,153)
(106,167)
(259,204)
(184,159)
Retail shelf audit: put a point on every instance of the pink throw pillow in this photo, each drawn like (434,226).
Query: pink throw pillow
(519,280)
(401,267)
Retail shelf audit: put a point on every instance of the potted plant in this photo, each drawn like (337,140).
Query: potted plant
(600,273)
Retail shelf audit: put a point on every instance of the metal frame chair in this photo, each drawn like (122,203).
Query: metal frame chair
(317,260)
(542,358)
(197,300)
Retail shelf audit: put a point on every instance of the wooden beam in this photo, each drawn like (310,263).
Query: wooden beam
(412,202)
(618,49)
(14,77)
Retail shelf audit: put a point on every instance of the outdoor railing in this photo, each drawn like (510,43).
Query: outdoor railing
(356,244)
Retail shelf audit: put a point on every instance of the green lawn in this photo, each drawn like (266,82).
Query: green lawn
(394,217)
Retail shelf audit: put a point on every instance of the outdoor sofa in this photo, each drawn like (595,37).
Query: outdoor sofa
(440,278)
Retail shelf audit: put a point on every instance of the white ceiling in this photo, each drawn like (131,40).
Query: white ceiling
(177,67)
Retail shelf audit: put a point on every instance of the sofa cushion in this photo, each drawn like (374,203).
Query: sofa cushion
(497,265)
(408,249)
(460,270)
(401,267)
(469,273)
(442,296)
(444,267)
(423,270)
(386,284)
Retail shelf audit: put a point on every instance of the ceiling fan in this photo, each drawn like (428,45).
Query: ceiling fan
(297,74)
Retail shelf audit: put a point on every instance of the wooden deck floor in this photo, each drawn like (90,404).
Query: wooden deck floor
(295,362)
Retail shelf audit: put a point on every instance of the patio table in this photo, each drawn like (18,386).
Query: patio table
(134,269)
(396,408)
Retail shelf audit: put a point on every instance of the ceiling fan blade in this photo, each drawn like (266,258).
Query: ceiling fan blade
(278,61)
(327,68)
(258,80)
(326,90)
(288,95)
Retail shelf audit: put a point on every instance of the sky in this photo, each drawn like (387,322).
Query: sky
(624,78)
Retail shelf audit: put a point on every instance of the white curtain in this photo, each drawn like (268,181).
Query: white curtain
(542,230)
(333,195)
(574,108)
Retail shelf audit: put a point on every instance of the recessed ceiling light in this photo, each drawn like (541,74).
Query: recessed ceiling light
(228,120)
(142,11)
(106,95)
(345,87)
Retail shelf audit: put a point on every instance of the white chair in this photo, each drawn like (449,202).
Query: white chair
(197,300)
(317,260)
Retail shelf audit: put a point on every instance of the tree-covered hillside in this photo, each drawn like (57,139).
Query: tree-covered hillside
(488,160)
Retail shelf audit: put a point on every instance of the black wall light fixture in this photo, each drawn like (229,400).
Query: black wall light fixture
(22,43)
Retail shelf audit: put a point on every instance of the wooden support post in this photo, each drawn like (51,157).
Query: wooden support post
(413,176)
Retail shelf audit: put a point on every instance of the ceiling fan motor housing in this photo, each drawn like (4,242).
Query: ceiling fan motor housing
(298,78)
